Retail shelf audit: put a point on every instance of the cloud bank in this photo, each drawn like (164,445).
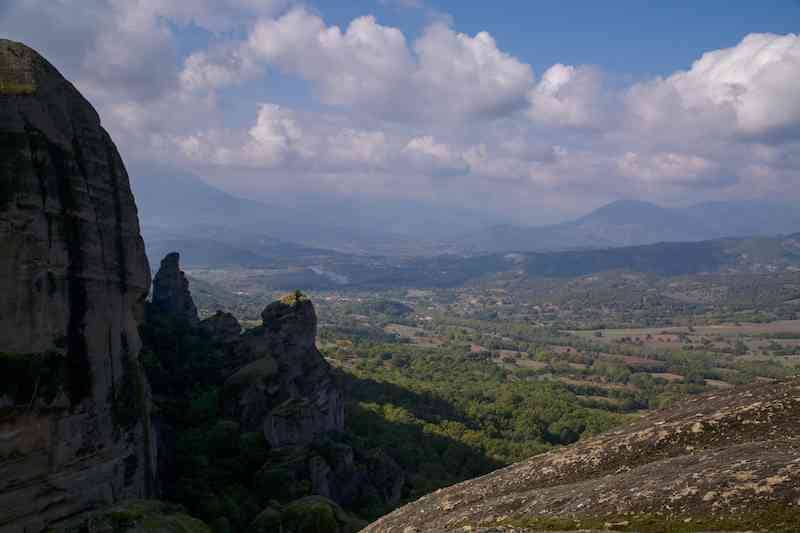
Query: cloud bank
(443,113)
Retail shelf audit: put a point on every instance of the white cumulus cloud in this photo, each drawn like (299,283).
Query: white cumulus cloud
(749,88)
(568,96)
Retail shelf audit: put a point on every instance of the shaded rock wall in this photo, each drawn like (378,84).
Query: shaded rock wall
(74,426)
(171,290)
(288,391)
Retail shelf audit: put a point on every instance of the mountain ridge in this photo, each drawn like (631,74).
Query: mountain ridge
(184,206)
(187,212)
(633,222)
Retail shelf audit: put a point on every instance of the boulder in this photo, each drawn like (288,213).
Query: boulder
(222,327)
(74,424)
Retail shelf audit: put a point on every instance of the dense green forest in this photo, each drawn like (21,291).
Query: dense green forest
(443,417)
(446,417)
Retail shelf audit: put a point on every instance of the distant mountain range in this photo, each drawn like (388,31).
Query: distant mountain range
(215,228)
(630,223)
(757,255)
(299,247)
(213,225)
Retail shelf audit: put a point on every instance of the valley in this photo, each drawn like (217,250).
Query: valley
(455,365)
(453,382)
(370,274)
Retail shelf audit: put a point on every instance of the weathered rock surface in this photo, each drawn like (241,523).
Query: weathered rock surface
(287,391)
(276,383)
(716,462)
(348,476)
(74,422)
(171,290)
(336,471)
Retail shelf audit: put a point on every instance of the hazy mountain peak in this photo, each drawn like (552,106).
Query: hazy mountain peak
(635,222)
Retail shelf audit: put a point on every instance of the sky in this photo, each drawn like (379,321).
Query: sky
(532,111)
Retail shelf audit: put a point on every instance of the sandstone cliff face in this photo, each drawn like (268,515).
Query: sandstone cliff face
(74,427)
(727,461)
(287,391)
(171,290)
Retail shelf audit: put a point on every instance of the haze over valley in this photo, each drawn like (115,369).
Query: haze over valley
(399,266)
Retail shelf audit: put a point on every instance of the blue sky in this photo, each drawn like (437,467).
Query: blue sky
(536,110)
(628,38)
(636,37)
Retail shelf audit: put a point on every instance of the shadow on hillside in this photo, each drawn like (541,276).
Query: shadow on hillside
(424,406)
(418,431)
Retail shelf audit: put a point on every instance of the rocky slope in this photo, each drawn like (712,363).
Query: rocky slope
(74,426)
(728,461)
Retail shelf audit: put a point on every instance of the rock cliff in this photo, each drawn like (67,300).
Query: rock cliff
(262,406)
(74,423)
(728,461)
(171,290)
(288,390)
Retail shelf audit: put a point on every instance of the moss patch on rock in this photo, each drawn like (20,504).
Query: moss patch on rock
(262,369)
(313,514)
(145,516)
(10,88)
(294,298)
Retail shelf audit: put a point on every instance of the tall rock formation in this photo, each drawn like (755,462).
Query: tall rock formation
(287,391)
(74,421)
(727,461)
(280,401)
(171,290)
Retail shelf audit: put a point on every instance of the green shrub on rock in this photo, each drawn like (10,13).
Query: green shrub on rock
(144,516)
(313,514)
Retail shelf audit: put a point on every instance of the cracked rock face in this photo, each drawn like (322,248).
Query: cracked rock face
(726,456)
(74,423)
(287,391)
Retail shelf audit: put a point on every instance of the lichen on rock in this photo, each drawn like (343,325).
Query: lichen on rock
(720,461)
